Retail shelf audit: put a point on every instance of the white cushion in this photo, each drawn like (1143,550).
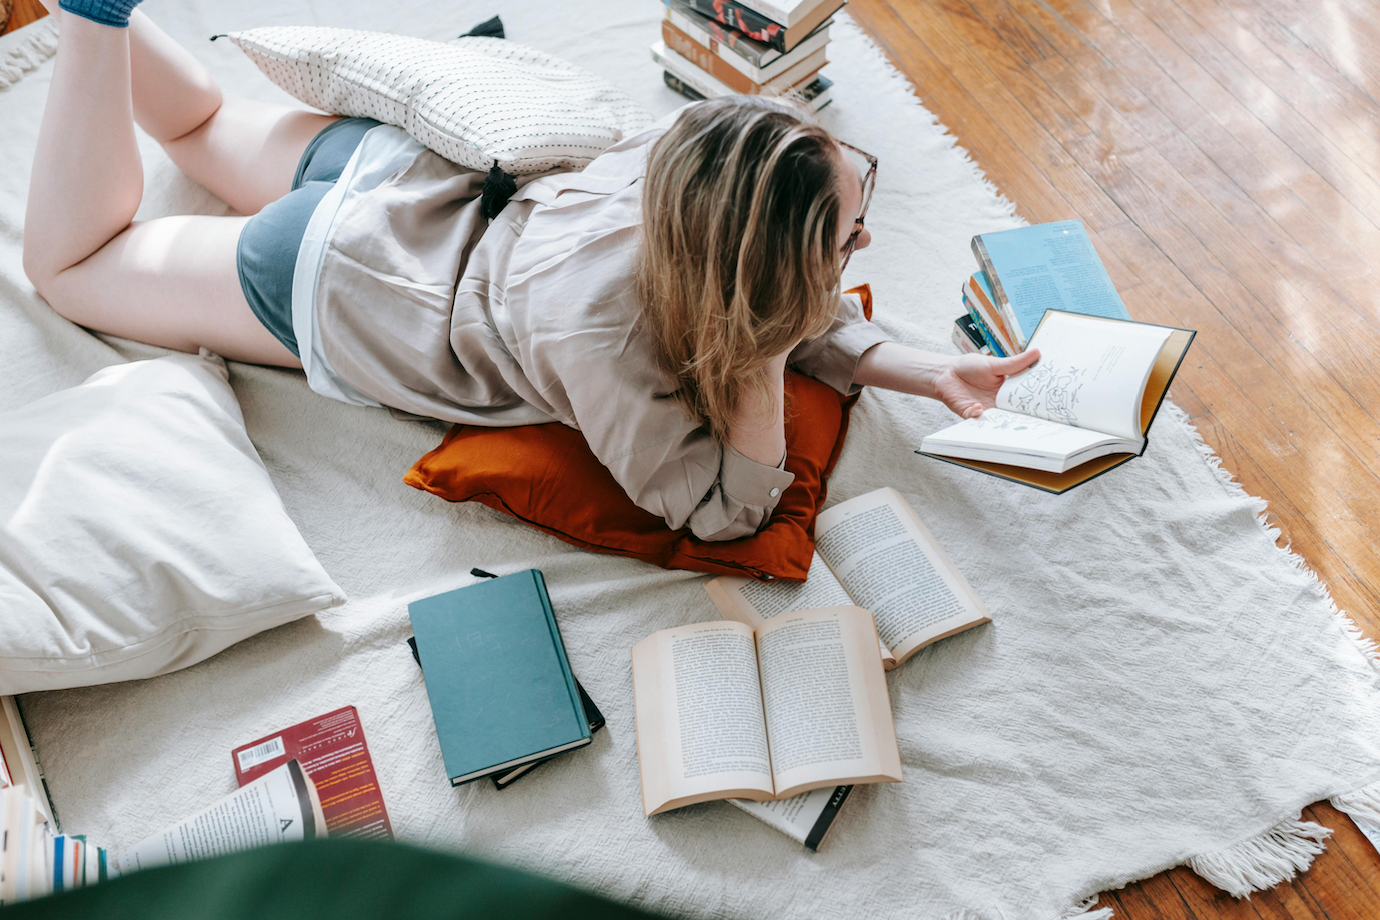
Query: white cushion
(139,531)
(474,101)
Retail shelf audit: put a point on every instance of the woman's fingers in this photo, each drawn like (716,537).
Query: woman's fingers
(1016,363)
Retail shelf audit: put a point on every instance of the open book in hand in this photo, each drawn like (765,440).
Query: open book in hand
(725,711)
(875,552)
(1082,409)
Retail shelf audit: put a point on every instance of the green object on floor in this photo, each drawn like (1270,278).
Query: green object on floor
(333,880)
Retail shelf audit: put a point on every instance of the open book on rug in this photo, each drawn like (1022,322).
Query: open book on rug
(1085,407)
(872,551)
(725,711)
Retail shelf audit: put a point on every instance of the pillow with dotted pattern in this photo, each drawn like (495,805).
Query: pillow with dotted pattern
(475,101)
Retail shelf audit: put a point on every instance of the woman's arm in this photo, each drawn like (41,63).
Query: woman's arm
(967,384)
(758,431)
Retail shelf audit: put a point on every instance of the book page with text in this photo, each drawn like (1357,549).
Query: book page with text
(1091,373)
(279,807)
(754,602)
(827,709)
(700,730)
(889,563)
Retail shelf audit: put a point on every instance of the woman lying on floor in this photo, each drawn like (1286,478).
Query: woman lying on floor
(653,301)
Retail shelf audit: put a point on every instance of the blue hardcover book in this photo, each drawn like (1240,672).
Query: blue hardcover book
(501,689)
(1046,267)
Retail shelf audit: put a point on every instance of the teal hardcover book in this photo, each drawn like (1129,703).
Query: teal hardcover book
(501,689)
(1046,267)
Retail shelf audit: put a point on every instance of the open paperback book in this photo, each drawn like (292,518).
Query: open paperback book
(872,551)
(725,711)
(1082,409)
(282,806)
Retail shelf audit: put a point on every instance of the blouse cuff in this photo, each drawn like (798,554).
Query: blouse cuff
(743,499)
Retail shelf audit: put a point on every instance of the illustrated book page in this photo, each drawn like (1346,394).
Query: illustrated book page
(875,552)
(1092,394)
(724,711)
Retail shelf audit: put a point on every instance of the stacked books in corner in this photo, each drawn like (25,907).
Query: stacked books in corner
(712,48)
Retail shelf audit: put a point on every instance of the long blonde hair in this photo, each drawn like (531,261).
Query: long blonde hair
(739,257)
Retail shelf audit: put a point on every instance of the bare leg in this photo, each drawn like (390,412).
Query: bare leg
(244,151)
(170,282)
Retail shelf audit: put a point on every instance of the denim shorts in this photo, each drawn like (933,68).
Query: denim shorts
(267,253)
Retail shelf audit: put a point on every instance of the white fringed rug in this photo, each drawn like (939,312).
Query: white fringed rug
(1161,684)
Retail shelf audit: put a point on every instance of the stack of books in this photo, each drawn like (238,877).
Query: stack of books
(34,860)
(1021,274)
(502,693)
(712,48)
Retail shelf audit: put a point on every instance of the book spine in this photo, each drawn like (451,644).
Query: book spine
(826,818)
(677,84)
(995,320)
(1018,338)
(987,336)
(707,60)
(749,22)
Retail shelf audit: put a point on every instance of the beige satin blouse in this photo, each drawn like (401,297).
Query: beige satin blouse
(425,307)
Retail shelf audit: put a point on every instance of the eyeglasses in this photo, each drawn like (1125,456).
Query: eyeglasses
(869,182)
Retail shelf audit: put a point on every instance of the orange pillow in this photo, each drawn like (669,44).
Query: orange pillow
(547,476)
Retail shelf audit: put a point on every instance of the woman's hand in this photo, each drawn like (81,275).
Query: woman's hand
(967,384)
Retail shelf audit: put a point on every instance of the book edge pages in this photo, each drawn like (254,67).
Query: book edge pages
(647,728)
(13,731)
(1053,483)
(519,761)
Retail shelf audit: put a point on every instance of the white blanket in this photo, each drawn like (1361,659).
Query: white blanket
(1160,682)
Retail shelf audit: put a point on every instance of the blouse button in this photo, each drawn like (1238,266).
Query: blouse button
(774,492)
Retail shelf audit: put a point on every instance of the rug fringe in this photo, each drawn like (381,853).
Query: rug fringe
(1367,645)
(1361,804)
(1083,910)
(893,72)
(1265,860)
(25,48)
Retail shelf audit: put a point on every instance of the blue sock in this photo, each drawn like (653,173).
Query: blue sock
(106,12)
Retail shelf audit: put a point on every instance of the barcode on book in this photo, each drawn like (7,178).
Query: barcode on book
(252,757)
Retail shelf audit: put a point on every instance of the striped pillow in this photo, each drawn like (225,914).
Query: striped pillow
(475,101)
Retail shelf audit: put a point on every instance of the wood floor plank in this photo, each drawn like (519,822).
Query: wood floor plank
(1244,105)
(1290,66)
(1003,160)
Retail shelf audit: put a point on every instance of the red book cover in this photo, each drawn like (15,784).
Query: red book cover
(333,754)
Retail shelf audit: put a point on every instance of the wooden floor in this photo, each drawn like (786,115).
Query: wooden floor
(1225,157)
(24,12)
